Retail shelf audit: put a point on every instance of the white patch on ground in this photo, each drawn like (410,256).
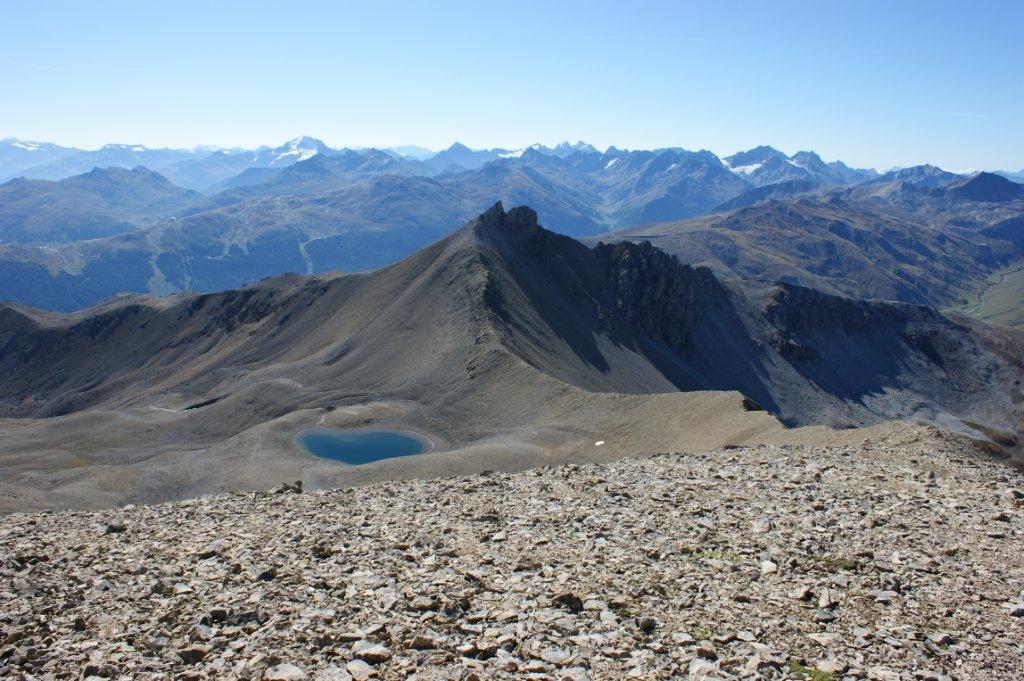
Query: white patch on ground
(610,163)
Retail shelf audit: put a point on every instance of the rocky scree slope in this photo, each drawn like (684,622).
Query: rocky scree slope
(892,560)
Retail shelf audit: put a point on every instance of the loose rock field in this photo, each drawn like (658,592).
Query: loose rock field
(901,558)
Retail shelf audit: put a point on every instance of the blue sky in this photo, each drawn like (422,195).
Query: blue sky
(873,83)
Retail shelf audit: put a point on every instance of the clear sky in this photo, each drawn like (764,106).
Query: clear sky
(876,84)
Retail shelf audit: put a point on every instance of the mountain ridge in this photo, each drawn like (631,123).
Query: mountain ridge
(501,342)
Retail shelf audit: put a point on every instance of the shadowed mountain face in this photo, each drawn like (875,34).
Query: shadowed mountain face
(987,187)
(629,317)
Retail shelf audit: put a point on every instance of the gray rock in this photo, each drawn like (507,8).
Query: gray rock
(194,654)
(371,652)
(360,670)
(284,672)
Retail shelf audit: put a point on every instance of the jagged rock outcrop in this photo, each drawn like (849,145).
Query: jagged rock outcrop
(655,293)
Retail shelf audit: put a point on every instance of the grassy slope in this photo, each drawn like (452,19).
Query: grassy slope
(1001,301)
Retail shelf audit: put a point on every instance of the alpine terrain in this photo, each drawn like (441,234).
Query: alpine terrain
(506,345)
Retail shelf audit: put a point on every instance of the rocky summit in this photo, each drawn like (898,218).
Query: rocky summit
(896,557)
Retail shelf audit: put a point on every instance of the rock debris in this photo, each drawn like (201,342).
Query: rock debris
(898,559)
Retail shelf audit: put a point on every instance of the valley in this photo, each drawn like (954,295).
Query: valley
(999,300)
(192,327)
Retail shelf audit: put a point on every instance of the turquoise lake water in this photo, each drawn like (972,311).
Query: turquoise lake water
(356,447)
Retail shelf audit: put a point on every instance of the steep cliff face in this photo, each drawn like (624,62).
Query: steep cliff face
(801,316)
(802,310)
(655,294)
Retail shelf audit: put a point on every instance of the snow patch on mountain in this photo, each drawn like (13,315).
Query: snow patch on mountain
(746,170)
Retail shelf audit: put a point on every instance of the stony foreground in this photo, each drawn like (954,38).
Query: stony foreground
(897,559)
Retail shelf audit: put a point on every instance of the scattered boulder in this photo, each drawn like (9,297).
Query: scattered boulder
(284,672)
(194,654)
(370,652)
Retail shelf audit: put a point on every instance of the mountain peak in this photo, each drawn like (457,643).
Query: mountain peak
(808,156)
(565,148)
(494,215)
(522,217)
(305,142)
(987,187)
(518,218)
(926,175)
(298,149)
(758,155)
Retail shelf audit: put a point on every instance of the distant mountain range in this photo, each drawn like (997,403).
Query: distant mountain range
(101,202)
(893,240)
(203,167)
(765,165)
(917,234)
(192,168)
